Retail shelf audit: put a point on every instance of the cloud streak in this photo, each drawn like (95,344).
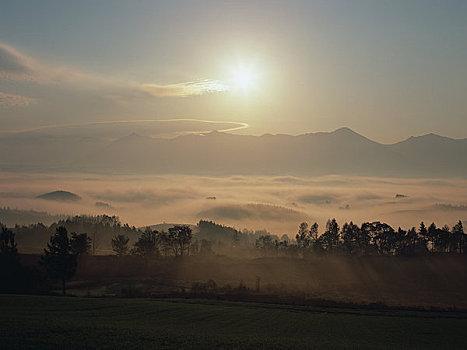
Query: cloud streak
(186,89)
(10,100)
(16,66)
(146,124)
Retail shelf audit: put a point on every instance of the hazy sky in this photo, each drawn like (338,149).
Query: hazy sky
(387,69)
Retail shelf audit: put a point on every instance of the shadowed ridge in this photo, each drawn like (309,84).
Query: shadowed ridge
(348,133)
(343,133)
(342,151)
(202,135)
(430,149)
(431,137)
(132,138)
(271,136)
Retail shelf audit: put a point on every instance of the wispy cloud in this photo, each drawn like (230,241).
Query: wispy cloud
(185,89)
(10,100)
(146,127)
(16,66)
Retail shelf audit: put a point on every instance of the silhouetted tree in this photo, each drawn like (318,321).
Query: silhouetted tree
(330,237)
(120,244)
(383,238)
(431,234)
(8,248)
(423,235)
(58,257)
(388,238)
(417,242)
(406,242)
(368,231)
(179,238)
(164,243)
(350,238)
(302,237)
(379,238)
(146,245)
(80,244)
(14,276)
(307,238)
(441,239)
(458,238)
(100,228)
(363,241)
(314,238)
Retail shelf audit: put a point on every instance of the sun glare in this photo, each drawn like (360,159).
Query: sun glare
(243,79)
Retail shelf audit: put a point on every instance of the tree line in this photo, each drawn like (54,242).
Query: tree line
(63,252)
(175,242)
(60,258)
(370,238)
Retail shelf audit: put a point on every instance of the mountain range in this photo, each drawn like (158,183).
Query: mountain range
(341,152)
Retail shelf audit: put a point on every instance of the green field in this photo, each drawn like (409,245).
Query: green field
(46,322)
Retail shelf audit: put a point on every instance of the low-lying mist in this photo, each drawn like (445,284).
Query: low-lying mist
(275,203)
(423,281)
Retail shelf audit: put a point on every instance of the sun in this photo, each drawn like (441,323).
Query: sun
(243,78)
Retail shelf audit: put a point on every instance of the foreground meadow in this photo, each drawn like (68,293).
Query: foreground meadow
(47,322)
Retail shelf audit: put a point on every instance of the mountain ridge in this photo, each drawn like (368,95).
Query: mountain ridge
(340,152)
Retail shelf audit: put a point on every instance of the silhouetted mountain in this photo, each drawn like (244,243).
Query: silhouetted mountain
(342,151)
(435,154)
(60,196)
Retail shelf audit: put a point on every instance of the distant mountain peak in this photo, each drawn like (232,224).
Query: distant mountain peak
(345,133)
(431,137)
(343,130)
(133,137)
(435,136)
(60,196)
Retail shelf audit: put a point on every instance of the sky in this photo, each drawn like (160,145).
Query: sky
(386,69)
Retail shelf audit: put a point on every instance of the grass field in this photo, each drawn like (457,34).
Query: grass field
(47,322)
